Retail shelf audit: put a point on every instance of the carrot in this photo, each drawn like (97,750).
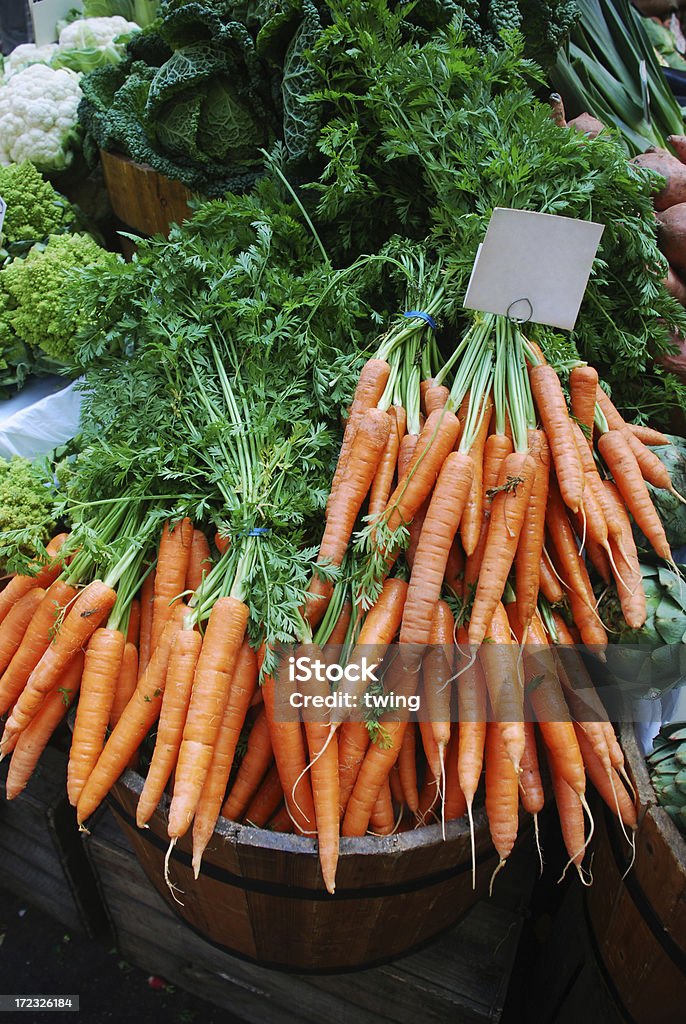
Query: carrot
(396,788)
(552,408)
(454,570)
(505,684)
(126,684)
(323,751)
(508,509)
(251,771)
(628,577)
(281,822)
(361,465)
(35,641)
(100,671)
(289,753)
(502,794)
(371,385)
(15,624)
(549,584)
(615,420)
(243,681)
(352,746)
(593,482)
(383,479)
(407,766)
(598,558)
(34,739)
(209,697)
(221,542)
(571,813)
(415,530)
(177,691)
(530,785)
(134,628)
(45,576)
(495,453)
(170,576)
(435,442)
(470,527)
(147,596)
(431,752)
(382,821)
(471,697)
(138,717)
(625,470)
(438,670)
(532,537)
(652,469)
(199,562)
(608,783)
(455,804)
(265,801)
(442,519)
(340,630)
(90,608)
(583,384)
(406,451)
(648,435)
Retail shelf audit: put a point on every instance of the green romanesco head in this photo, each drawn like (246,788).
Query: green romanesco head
(42,313)
(27,505)
(34,209)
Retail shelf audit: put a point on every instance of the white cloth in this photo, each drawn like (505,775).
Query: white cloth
(42,417)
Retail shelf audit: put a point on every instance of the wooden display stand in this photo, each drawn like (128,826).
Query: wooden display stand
(142,199)
(463,976)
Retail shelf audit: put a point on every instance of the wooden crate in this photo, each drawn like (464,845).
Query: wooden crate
(141,198)
(462,977)
(41,855)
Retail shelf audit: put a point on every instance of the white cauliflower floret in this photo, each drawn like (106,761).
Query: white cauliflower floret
(38,117)
(25,54)
(95,33)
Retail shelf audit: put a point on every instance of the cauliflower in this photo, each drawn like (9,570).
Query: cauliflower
(89,33)
(38,297)
(27,505)
(34,209)
(25,54)
(38,117)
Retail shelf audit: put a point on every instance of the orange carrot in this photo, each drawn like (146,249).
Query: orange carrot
(438,670)
(628,575)
(147,597)
(532,537)
(138,717)
(34,739)
(35,641)
(454,570)
(502,794)
(552,408)
(530,785)
(242,688)
(209,696)
(281,822)
(625,470)
(442,519)
(221,542)
(289,753)
(134,627)
(471,697)
(323,751)
(45,576)
(266,800)
(583,384)
(361,465)
(126,684)
(15,624)
(652,469)
(505,684)
(482,451)
(199,562)
(407,766)
(100,672)
(648,435)
(455,801)
(170,575)
(352,746)
(252,769)
(608,783)
(383,479)
(431,752)
(90,608)
(508,510)
(382,821)
(615,420)
(177,691)
(571,814)
(593,483)
(370,387)
(549,583)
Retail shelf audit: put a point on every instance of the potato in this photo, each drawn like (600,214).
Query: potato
(672,236)
(678,144)
(675,286)
(672,170)
(587,124)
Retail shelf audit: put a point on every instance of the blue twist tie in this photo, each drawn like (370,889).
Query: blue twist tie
(258,531)
(426,317)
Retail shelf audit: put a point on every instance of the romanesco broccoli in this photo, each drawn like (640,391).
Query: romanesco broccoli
(40,312)
(27,505)
(34,209)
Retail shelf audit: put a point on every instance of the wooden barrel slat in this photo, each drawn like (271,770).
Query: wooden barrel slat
(639,923)
(142,198)
(260,894)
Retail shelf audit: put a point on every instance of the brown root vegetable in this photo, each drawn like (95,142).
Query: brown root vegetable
(672,236)
(678,144)
(672,170)
(587,124)
(676,361)
(675,286)
(557,109)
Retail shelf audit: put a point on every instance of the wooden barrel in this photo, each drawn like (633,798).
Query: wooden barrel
(260,894)
(639,921)
(141,198)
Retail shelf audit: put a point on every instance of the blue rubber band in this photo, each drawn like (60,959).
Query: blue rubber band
(426,317)
(258,531)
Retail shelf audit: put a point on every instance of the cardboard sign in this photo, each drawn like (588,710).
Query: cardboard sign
(533,266)
(45,14)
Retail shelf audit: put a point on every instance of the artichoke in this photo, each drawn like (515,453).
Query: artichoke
(667,767)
